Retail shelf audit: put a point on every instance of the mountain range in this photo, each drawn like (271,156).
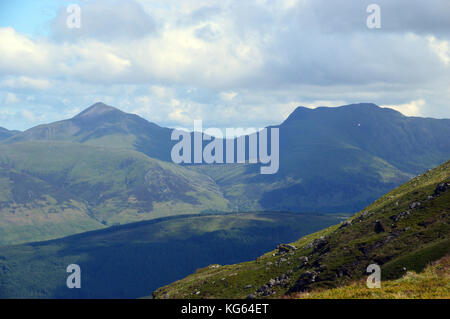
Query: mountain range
(106,167)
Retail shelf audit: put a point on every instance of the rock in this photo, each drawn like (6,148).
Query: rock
(248,286)
(378,227)
(345,224)
(197,293)
(269,264)
(402,215)
(305,279)
(389,238)
(264,290)
(440,188)
(251,296)
(282,260)
(267,289)
(303,259)
(317,243)
(284,248)
(414,205)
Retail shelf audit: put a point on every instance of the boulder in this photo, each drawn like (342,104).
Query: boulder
(440,188)
(303,282)
(345,224)
(284,248)
(378,227)
(402,215)
(414,205)
(317,243)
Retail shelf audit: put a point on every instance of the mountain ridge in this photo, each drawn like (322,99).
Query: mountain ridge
(328,164)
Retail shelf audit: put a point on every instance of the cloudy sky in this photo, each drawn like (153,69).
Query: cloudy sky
(230,63)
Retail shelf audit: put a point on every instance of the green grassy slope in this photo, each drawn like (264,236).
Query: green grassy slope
(63,188)
(127,261)
(433,282)
(403,230)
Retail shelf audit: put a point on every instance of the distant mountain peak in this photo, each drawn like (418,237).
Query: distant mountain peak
(97,109)
(302,112)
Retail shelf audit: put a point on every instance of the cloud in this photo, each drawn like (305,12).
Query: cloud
(441,48)
(105,20)
(25,82)
(413,108)
(231,63)
(21,55)
(28,115)
(11,98)
(228,96)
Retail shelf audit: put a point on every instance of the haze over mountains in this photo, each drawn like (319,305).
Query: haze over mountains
(104,167)
(5,133)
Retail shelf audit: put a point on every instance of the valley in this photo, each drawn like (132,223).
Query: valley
(127,261)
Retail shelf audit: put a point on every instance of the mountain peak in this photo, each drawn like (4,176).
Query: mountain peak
(302,112)
(299,112)
(97,109)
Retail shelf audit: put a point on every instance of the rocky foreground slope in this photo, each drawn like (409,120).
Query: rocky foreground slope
(404,230)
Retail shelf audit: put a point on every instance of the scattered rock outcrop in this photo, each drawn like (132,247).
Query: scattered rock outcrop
(345,224)
(414,205)
(402,215)
(317,244)
(268,288)
(285,248)
(378,227)
(440,188)
(304,281)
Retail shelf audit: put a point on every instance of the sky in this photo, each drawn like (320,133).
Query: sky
(230,63)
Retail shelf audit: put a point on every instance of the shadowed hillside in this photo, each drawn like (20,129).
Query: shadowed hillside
(126,261)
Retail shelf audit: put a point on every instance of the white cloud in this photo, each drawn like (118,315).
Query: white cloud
(25,82)
(441,48)
(228,96)
(413,108)
(232,63)
(21,55)
(11,98)
(28,115)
